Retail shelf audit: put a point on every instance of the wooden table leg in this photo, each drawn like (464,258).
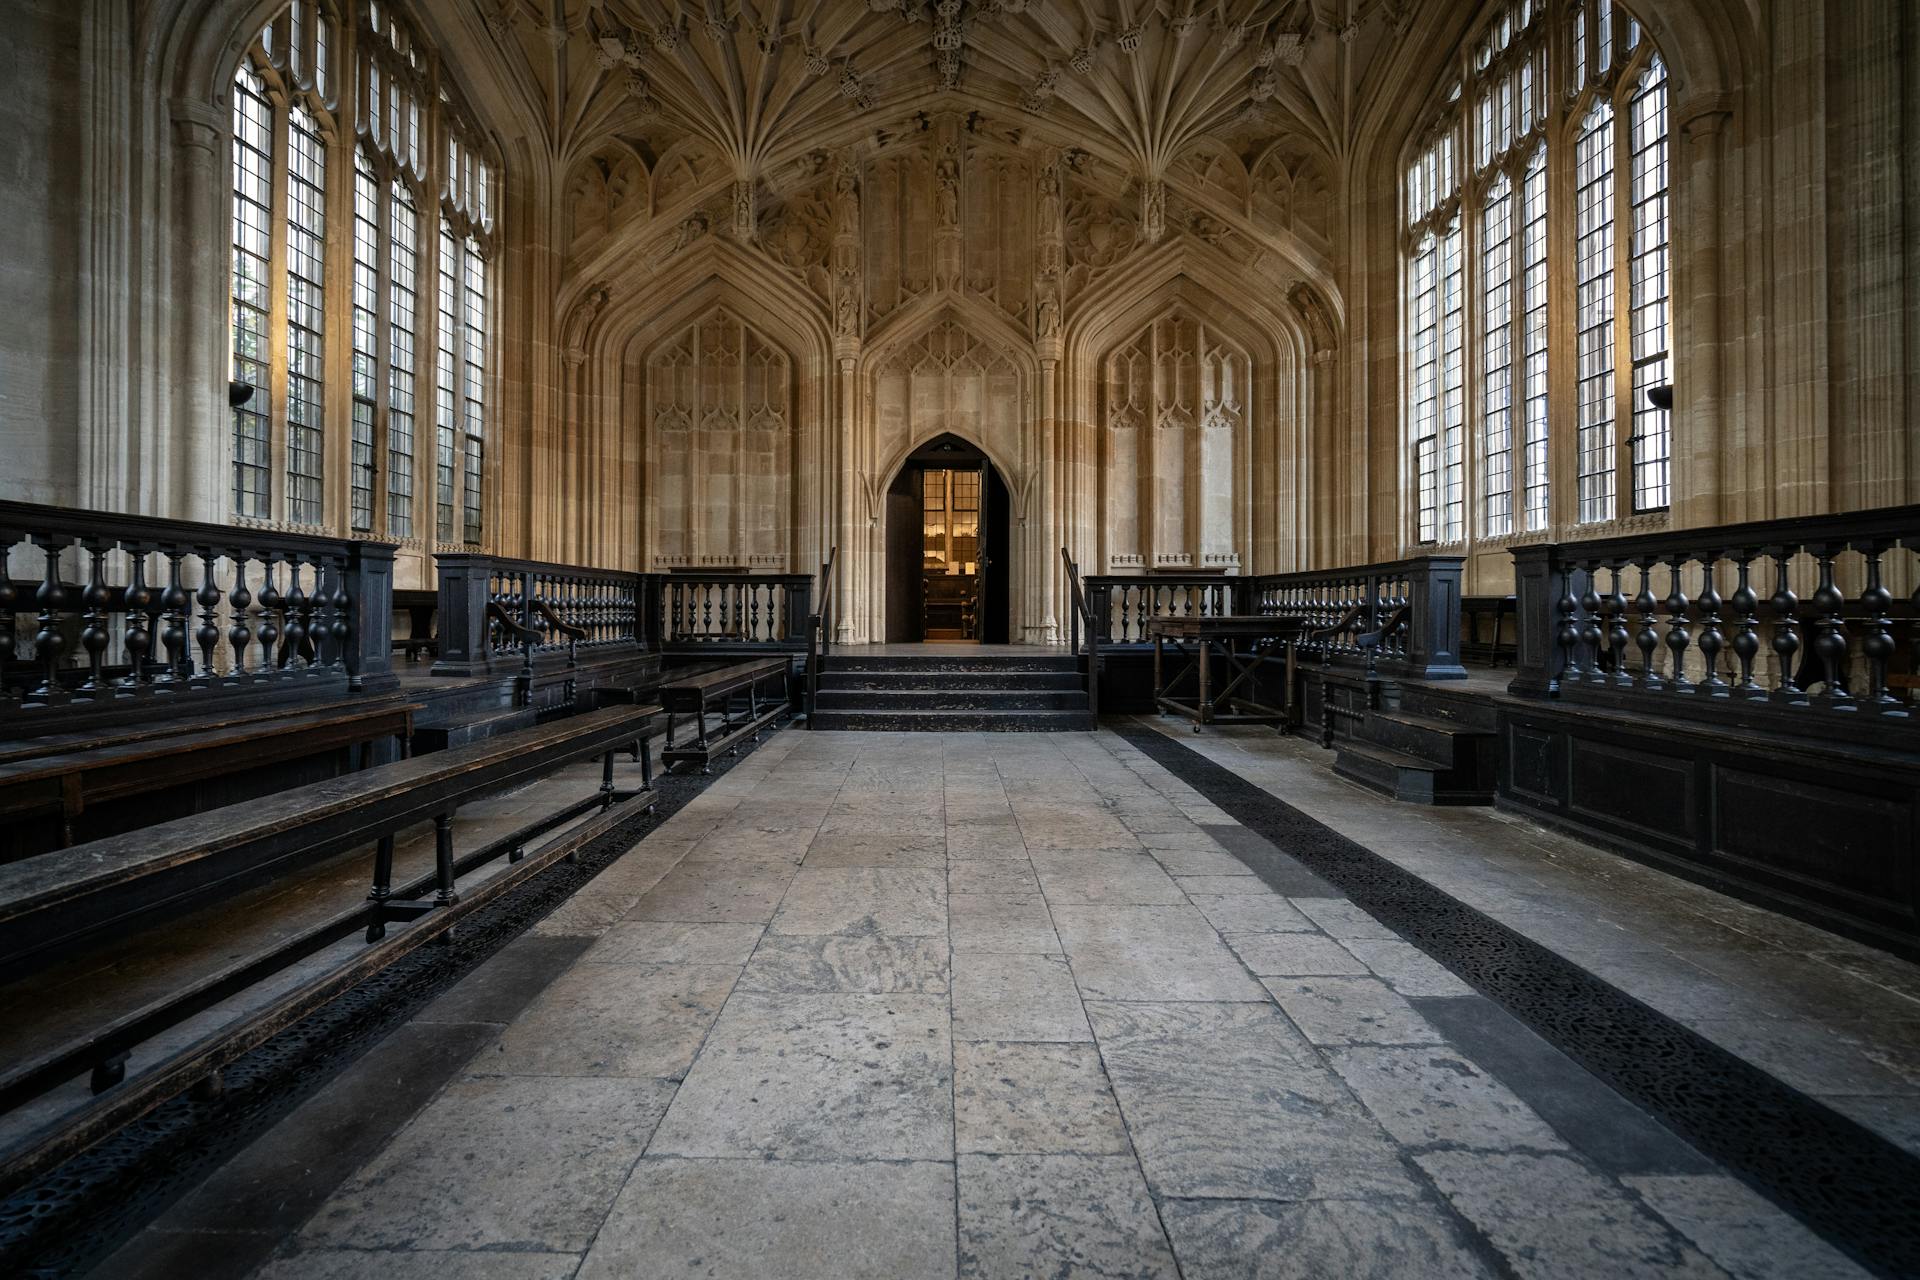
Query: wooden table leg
(1205,650)
(1159,685)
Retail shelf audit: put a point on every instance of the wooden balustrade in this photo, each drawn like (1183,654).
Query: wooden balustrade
(764,610)
(1120,607)
(1400,618)
(1810,620)
(499,615)
(107,617)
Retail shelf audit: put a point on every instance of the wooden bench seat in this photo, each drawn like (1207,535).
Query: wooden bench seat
(734,695)
(53,901)
(61,903)
(65,777)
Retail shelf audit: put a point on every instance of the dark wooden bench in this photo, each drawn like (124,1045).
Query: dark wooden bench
(733,695)
(62,777)
(419,608)
(1497,611)
(56,904)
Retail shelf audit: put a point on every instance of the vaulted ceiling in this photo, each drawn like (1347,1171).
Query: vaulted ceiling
(1137,82)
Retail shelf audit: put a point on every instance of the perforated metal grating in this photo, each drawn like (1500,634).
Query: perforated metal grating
(1857,1190)
(88,1207)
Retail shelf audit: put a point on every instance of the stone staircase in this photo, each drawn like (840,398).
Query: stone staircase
(1429,746)
(952,693)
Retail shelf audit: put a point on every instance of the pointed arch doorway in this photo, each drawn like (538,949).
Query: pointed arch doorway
(949,527)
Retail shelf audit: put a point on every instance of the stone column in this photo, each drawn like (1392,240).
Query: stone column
(850,568)
(1698,415)
(196,453)
(1044,531)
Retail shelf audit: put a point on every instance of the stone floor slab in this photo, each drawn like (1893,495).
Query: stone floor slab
(1740,1230)
(614,1020)
(1150,953)
(676,942)
(1336,1011)
(1294,955)
(998,996)
(1318,1240)
(1227,1101)
(539,1159)
(819,1077)
(1252,913)
(1001,922)
(1554,1217)
(1432,1096)
(1034,1099)
(874,963)
(772,1220)
(701,893)
(1025,1215)
(901,901)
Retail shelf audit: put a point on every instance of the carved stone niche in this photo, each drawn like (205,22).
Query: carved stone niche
(719,412)
(607,190)
(1175,407)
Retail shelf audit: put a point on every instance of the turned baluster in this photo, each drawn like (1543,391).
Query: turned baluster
(298,610)
(207,636)
(1746,640)
(1679,631)
(1567,633)
(1877,642)
(342,613)
(139,640)
(9,602)
(1616,610)
(94,634)
(1786,630)
(1830,632)
(173,635)
(706,608)
(1712,639)
(323,613)
(1591,631)
(270,602)
(48,644)
(1647,638)
(239,634)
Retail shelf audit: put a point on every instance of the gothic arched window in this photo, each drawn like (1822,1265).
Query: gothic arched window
(1482,202)
(355,125)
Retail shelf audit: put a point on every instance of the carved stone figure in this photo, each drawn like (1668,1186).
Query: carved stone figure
(947,193)
(581,318)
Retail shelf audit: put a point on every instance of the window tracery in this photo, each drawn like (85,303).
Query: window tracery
(1481,202)
(342,117)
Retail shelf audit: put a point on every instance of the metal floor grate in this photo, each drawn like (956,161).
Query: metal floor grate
(1854,1188)
(88,1207)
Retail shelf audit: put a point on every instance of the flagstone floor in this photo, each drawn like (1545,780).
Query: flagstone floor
(895,1005)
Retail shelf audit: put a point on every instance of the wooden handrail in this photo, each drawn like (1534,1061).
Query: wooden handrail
(1079,611)
(819,632)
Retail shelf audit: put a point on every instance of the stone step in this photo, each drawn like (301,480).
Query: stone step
(955,721)
(1034,681)
(940,698)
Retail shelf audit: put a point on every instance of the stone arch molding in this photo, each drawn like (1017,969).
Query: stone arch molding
(980,371)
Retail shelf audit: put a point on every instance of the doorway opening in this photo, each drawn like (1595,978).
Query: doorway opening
(948,534)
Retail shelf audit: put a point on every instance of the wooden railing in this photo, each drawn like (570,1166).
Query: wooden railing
(767,611)
(499,615)
(1400,618)
(1119,608)
(1079,611)
(1808,621)
(106,616)
(820,633)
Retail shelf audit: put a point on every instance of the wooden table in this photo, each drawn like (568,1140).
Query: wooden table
(1248,642)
